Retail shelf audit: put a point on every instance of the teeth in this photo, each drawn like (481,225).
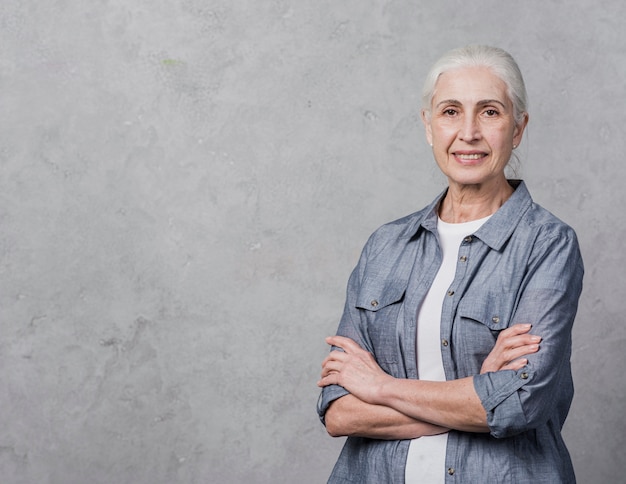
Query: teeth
(470,157)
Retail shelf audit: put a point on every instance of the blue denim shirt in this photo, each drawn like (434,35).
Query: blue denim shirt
(522,266)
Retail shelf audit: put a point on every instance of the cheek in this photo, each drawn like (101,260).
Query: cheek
(443,134)
(442,158)
(501,138)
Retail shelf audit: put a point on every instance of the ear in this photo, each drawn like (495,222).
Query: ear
(519,130)
(427,126)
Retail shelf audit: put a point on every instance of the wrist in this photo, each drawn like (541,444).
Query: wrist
(383,395)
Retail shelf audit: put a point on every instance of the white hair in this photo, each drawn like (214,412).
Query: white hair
(498,60)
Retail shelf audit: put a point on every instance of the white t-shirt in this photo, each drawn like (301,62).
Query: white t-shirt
(426,461)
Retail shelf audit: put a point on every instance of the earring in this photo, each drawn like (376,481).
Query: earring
(514,146)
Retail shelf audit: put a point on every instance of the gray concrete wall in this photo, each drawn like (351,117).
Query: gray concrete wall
(186,185)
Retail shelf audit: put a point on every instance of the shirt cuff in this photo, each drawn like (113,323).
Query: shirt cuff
(498,393)
(329,395)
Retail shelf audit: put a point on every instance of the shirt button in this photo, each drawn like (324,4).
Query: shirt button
(451,471)
(463,258)
(444,342)
(468,239)
(495,319)
(374,303)
(524,376)
(450,293)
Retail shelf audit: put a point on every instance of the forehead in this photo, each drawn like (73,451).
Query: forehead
(470,85)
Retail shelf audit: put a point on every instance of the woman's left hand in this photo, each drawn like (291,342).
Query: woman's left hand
(354,369)
(511,348)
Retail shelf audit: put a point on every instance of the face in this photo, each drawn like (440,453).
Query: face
(471,126)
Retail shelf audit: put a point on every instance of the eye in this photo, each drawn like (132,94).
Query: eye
(450,112)
(491,112)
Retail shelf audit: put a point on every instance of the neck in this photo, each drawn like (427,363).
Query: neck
(464,203)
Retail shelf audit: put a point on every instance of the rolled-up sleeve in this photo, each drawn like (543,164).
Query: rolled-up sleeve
(516,401)
(350,327)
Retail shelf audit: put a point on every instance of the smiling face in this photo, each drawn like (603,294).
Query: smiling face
(471,126)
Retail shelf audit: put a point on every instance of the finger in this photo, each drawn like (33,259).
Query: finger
(516,365)
(328,370)
(515,353)
(514,342)
(516,329)
(330,379)
(331,366)
(512,337)
(347,344)
(334,355)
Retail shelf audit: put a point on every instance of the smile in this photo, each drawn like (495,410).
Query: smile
(469,157)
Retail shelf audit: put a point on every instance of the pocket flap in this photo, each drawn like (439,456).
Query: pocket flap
(376,294)
(489,309)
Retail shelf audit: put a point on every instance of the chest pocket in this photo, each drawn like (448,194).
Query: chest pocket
(480,318)
(381,302)
(491,310)
(376,295)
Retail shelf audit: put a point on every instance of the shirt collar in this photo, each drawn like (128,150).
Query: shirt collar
(496,231)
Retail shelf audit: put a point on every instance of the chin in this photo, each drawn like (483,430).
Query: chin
(474,179)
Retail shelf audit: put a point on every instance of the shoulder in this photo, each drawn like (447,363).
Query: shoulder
(397,232)
(547,225)
(390,251)
(550,239)
(523,214)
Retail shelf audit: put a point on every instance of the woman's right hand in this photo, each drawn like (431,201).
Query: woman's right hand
(512,345)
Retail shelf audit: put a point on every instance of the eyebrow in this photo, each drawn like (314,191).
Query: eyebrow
(483,102)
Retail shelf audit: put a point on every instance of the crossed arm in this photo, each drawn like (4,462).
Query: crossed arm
(383,407)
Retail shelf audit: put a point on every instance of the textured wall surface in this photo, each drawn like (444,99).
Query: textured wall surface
(185,186)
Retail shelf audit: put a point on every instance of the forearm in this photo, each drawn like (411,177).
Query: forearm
(452,404)
(349,416)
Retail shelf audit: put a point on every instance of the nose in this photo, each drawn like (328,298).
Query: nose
(470,130)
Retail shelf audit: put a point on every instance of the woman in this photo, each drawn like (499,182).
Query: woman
(435,375)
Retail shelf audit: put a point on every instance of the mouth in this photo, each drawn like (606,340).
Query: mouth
(469,158)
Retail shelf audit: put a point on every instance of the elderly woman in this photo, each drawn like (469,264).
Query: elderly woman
(435,374)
